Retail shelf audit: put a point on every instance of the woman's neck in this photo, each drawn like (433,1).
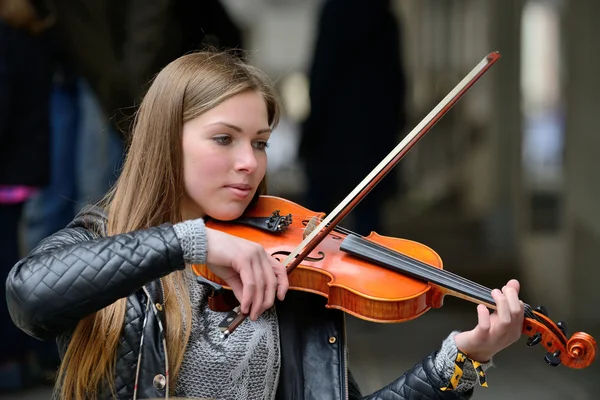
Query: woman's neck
(190,210)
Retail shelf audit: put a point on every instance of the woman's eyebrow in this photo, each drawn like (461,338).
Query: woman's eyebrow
(237,128)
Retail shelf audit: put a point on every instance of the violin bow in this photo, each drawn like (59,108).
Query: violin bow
(315,237)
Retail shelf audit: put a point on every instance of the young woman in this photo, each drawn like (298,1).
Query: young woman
(116,291)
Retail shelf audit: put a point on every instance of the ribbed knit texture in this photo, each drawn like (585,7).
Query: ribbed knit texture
(444,364)
(192,236)
(244,366)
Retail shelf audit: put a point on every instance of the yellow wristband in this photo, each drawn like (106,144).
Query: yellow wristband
(459,363)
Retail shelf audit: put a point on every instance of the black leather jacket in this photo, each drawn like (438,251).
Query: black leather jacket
(79,270)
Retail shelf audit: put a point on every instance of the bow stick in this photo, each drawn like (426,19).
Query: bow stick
(377,174)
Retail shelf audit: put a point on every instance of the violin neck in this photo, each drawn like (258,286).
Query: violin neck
(395,261)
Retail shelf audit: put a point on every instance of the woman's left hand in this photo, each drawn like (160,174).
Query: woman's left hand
(496,331)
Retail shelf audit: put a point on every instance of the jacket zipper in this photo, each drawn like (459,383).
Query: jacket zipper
(162,290)
(163,301)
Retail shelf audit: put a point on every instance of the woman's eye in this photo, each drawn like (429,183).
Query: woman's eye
(261,145)
(222,140)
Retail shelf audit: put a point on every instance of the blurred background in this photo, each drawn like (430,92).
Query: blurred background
(503,186)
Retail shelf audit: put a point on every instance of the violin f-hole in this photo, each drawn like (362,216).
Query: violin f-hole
(287,253)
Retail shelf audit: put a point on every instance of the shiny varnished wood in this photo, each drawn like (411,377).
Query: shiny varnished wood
(355,286)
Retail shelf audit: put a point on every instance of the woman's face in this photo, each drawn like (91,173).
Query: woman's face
(224,157)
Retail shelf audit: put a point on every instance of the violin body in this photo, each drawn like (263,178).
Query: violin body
(355,286)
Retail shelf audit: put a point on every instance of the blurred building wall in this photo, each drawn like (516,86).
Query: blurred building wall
(582,158)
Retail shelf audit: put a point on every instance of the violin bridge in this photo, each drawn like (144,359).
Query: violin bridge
(312,224)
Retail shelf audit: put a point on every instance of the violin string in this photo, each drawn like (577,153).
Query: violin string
(472,284)
(423,269)
(338,228)
(426,271)
(465,283)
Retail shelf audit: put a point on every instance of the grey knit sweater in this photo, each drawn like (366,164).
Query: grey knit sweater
(246,365)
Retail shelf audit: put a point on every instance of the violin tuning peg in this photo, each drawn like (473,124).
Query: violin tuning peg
(552,358)
(535,339)
(541,310)
(563,327)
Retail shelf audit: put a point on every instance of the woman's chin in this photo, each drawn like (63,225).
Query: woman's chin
(227,214)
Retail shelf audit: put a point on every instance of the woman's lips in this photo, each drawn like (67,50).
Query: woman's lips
(241,191)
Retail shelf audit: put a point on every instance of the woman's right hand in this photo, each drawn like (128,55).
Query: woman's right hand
(254,276)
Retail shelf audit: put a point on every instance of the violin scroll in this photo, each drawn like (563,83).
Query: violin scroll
(577,352)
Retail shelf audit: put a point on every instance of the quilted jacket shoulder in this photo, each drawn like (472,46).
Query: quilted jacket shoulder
(78,271)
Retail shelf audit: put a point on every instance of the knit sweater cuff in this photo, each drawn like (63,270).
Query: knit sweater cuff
(192,236)
(444,364)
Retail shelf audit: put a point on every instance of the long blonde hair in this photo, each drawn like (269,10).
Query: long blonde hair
(148,193)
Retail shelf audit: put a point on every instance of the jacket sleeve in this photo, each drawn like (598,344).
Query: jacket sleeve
(76,272)
(420,382)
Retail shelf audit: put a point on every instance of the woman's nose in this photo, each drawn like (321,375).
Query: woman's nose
(245,159)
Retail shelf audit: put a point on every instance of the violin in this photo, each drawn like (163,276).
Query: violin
(378,278)
(375,278)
